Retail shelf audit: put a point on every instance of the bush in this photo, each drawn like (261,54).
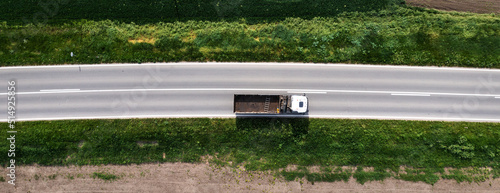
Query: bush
(463,149)
(169,43)
(224,38)
(142,46)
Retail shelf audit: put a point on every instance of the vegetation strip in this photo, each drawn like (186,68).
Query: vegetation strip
(396,35)
(409,150)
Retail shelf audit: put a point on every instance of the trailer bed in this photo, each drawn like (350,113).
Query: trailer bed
(261,104)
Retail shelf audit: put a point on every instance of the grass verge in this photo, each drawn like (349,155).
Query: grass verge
(424,148)
(395,35)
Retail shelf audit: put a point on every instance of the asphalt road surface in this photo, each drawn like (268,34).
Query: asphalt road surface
(206,90)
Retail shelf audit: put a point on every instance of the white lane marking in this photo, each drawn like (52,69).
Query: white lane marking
(256,64)
(306,92)
(59,90)
(233,116)
(404,118)
(257,90)
(409,94)
(498,97)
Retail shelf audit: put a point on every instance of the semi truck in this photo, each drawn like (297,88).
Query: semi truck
(270,104)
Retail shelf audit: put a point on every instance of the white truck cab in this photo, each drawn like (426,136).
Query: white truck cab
(299,104)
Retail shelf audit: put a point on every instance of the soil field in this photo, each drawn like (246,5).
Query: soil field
(185,177)
(476,6)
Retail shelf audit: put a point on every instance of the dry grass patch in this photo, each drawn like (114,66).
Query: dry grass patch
(142,40)
(149,143)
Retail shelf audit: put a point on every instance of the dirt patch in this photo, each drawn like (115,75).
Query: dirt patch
(475,6)
(184,177)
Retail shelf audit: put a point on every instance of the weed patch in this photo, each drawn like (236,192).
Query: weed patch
(102,175)
(363,176)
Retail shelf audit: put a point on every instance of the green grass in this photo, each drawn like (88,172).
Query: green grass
(268,144)
(325,176)
(428,175)
(101,175)
(363,176)
(396,35)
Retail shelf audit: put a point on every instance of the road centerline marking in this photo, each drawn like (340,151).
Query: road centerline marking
(306,92)
(59,90)
(409,94)
(406,93)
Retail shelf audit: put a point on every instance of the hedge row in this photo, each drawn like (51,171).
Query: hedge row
(53,11)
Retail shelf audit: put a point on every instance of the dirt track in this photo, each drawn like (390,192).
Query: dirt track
(183,177)
(476,6)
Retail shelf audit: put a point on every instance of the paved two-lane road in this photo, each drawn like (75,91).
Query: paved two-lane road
(206,90)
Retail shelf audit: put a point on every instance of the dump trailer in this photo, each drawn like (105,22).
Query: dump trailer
(269,104)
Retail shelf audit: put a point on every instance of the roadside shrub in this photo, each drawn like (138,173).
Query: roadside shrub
(463,149)
(374,47)
(142,46)
(284,35)
(224,38)
(169,43)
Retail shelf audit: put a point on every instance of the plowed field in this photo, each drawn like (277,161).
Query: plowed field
(476,6)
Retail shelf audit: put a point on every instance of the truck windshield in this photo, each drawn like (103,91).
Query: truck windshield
(301,104)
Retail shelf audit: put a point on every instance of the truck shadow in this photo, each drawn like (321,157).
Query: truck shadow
(298,125)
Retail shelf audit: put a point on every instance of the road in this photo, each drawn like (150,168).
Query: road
(206,90)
